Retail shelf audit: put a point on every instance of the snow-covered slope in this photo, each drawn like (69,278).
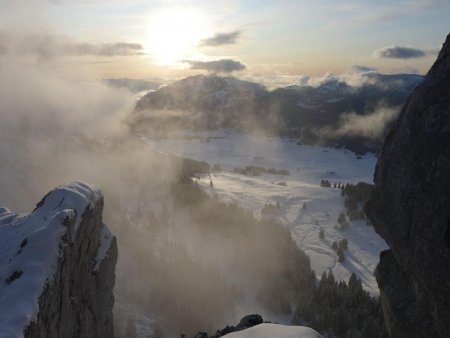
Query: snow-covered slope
(275,331)
(31,246)
(307,166)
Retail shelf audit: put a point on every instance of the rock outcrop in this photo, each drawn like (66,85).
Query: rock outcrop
(410,209)
(58,267)
(254,326)
(245,323)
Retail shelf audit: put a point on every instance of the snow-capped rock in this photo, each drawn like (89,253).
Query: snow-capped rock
(275,330)
(57,267)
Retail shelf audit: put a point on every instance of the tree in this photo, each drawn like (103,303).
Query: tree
(130,329)
(370,328)
(334,246)
(354,284)
(157,332)
(341,256)
(344,244)
(342,219)
(321,234)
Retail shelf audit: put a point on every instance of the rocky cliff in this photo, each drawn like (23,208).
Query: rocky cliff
(410,209)
(57,267)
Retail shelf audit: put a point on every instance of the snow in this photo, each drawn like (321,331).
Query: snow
(30,245)
(275,330)
(307,166)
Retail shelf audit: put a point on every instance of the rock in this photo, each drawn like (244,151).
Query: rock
(249,321)
(201,335)
(409,208)
(68,264)
(244,323)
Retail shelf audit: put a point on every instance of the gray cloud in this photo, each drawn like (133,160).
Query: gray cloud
(363,69)
(217,66)
(47,46)
(398,52)
(106,49)
(220,39)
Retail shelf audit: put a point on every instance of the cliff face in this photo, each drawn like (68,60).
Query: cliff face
(59,267)
(410,209)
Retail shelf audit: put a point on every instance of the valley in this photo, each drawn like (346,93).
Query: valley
(306,208)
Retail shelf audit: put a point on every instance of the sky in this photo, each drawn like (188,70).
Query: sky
(254,39)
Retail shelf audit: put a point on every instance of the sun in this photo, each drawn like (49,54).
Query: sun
(173,34)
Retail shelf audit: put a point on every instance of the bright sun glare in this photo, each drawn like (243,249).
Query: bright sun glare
(174,33)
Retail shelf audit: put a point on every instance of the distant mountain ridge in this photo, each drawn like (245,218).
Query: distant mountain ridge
(212,102)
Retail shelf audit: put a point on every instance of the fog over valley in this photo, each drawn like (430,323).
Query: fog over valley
(171,169)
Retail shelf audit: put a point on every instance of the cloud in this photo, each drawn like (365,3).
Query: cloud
(220,39)
(106,49)
(47,46)
(398,52)
(363,69)
(217,66)
(371,125)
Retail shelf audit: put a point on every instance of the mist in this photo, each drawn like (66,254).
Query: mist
(174,254)
(372,124)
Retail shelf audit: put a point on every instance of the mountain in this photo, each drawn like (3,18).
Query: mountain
(212,102)
(57,267)
(409,209)
(206,102)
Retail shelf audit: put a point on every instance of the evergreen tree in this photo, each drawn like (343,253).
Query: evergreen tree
(334,245)
(158,332)
(130,329)
(321,234)
(370,328)
(342,219)
(341,256)
(344,244)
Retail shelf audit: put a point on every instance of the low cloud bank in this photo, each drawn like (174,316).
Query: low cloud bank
(371,125)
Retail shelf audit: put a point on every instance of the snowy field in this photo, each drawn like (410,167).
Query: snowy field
(307,166)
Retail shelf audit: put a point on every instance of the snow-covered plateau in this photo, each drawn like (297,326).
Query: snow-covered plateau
(306,208)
